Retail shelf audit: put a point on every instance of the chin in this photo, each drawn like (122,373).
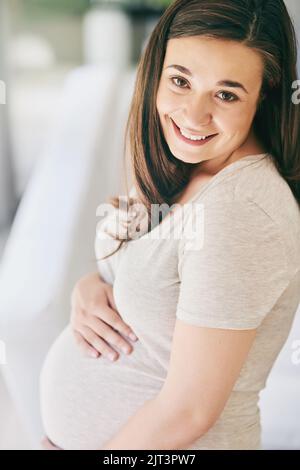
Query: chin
(184,159)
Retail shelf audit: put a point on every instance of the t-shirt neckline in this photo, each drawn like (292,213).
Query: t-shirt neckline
(227,169)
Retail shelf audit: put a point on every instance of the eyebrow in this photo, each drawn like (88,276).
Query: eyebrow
(226,82)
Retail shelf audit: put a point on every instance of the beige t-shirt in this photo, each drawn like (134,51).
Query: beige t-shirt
(241,271)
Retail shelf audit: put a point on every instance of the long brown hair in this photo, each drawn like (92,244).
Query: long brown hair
(262,25)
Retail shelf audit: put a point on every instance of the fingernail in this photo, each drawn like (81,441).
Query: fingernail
(133,336)
(94,354)
(126,349)
(112,356)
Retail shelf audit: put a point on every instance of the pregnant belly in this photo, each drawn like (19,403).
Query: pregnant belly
(85,401)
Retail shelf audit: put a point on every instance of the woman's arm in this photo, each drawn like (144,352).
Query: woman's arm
(155,426)
(204,366)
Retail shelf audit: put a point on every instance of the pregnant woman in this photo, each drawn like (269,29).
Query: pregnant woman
(214,129)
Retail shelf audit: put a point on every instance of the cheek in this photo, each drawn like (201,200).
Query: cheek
(245,114)
(237,120)
(166,102)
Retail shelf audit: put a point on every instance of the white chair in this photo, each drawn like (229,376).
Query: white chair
(51,244)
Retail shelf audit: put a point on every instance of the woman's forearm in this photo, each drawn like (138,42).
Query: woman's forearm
(153,426)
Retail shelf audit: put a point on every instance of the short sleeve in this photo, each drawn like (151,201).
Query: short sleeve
(234,278)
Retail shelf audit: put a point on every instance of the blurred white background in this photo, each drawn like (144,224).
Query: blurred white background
(69,68)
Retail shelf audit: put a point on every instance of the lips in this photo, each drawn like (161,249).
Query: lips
(189,141)
(209,135)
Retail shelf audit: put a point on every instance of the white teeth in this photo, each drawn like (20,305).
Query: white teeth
(191,137)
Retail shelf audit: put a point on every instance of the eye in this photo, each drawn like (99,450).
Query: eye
(231,96)
(178,78)
(226,93)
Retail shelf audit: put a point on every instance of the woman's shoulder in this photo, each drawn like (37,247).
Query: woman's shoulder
(258,199)
(260,183)
(264,186)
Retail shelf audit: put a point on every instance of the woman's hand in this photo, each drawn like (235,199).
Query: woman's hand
(96,324)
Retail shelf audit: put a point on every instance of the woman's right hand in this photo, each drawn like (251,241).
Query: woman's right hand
(96,323)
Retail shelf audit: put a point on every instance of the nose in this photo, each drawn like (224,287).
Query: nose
(197,113)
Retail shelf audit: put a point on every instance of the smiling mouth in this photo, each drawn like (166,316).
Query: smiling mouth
(194,142)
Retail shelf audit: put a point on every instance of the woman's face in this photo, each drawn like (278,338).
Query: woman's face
(201,101)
